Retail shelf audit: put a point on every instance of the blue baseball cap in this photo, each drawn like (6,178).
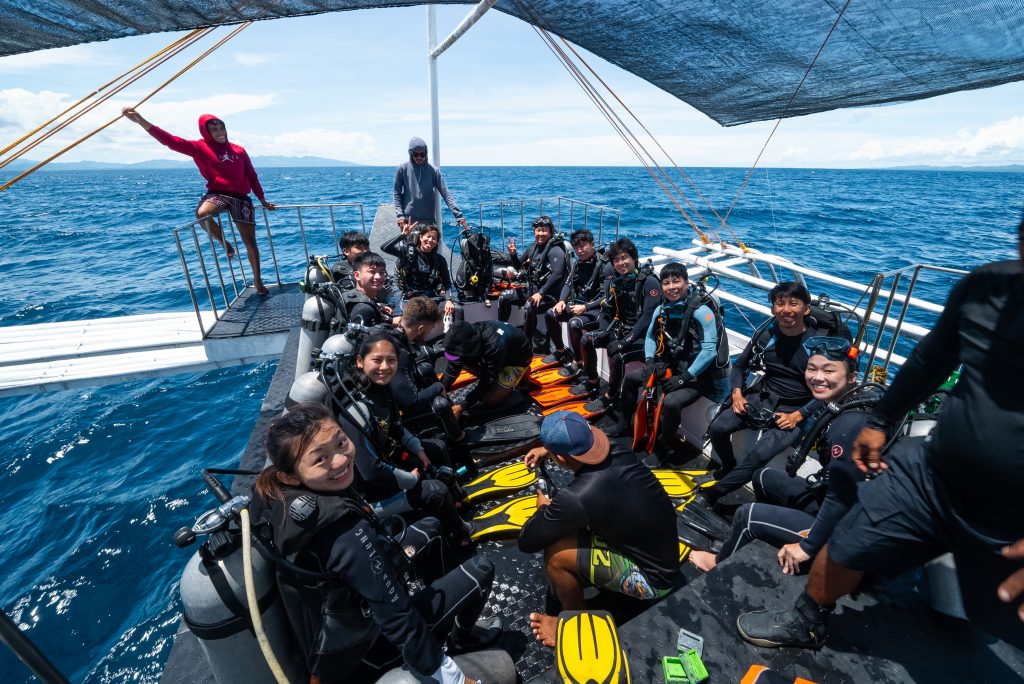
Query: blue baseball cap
(569,434)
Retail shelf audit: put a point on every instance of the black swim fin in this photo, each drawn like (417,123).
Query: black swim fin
(704,520)
(518,427)
(509,478)
(692,538)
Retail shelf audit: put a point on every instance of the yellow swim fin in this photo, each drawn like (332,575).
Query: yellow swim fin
(509,478)
(587,649)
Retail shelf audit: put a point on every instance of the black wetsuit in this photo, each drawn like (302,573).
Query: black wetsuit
(625,316)
(620,500)
(502,346)
(421,274)
(584,286)
(384,479)
(418,392)
(959,490)
(545,270)
(792,510)
(785,390)
(361,309)
(341,271)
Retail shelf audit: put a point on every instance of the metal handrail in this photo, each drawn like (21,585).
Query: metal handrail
(204,260)
(558,201)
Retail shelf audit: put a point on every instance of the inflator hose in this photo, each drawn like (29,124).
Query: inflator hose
(254,610)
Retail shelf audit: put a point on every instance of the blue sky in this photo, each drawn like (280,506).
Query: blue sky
(353,86)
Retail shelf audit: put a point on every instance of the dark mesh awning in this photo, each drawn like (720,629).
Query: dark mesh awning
(735,60)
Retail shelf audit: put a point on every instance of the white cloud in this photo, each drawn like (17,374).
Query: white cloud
(251,58)
(357,147)
(74,56)
(993,142)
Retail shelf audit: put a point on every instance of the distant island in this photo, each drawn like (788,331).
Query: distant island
(1009,168)
(156,164)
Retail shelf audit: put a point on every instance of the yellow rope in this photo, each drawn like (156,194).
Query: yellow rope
(682,173)
(67,122)
(163,85)
(604,108)
(98,91)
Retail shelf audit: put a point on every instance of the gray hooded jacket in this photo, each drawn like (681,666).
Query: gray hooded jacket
(414,189)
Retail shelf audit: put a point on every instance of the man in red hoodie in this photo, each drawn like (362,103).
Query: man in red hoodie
(229,179)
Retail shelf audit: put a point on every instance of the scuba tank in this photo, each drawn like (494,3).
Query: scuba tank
(317,273)
(317,313)
(307,387)
(313,385)
(215,606)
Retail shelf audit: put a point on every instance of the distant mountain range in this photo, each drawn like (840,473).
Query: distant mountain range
(258,162)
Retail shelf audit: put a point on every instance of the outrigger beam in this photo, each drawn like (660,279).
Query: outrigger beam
(434,50)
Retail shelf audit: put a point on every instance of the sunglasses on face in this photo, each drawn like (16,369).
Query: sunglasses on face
(543,223)
(420,154)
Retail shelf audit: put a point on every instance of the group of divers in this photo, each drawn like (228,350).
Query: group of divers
(881,502)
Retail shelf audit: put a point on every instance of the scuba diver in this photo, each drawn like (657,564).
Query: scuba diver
(352,244)
(779,402)
(590,530)
(420,395)
(798,514)
(956,491)
(686,353)
(391,461)
(633,294)
(422,271)
(579,302)
(544,265)
(497,353)
(415,183)
(362,304)
(363,613)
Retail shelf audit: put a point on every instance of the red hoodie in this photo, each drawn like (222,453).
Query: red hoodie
(225,166)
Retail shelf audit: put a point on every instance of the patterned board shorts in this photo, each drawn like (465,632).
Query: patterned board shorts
(603,566)
(510,376)
(240,207)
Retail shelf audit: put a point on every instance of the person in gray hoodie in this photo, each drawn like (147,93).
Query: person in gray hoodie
(415,182)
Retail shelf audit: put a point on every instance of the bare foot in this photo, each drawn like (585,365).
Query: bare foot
(705,561)
(261,289)
(229,250)
(544,627)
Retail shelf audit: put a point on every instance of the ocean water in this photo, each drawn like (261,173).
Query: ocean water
(93,482)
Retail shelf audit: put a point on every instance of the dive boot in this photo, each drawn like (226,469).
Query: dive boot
(599,405)
(619,428)
(805,625)
(585,389)
(571,369)
(481,635)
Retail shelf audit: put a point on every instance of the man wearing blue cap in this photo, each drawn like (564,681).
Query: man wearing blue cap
(612,527)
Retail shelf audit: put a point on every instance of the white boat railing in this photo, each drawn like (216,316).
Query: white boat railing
(883,291)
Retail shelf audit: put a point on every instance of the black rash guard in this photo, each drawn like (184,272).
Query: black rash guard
(424,270)
(842,477)
(554,267)
(785,361)
(582,286)
(977,447)
(353,549)
(501,345)
(621,501)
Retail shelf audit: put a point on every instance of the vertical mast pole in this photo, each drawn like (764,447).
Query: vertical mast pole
(435,130)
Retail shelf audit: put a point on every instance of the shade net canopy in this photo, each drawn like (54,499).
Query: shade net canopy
(735,60)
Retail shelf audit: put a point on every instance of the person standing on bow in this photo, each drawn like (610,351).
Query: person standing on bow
(544,264)
(230,177)
(415,182)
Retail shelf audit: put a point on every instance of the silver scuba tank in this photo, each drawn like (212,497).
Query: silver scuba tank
(216,612)
(307,387)
(314,276)
(317,313)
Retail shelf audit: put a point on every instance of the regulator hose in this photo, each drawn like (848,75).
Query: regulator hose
(254,610)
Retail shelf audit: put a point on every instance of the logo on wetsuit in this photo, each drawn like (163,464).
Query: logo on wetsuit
(837,450)
(302,508)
